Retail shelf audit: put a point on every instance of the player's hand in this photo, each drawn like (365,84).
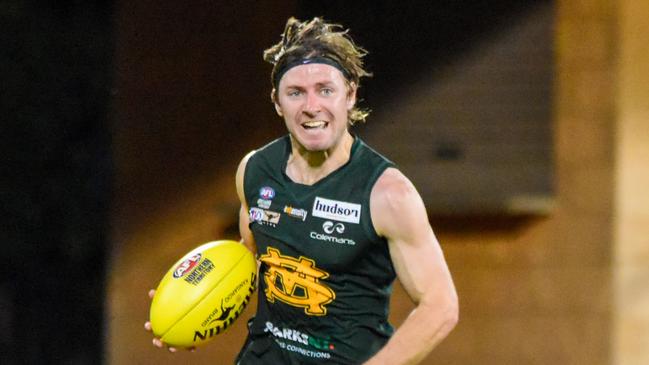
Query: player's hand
(157,342)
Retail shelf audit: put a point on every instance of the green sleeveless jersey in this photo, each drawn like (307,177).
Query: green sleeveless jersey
(325,275)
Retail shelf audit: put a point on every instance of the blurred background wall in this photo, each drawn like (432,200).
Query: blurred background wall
(539,106)
(56,70)
(631,220)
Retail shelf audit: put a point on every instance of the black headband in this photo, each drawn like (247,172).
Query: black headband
(305,61)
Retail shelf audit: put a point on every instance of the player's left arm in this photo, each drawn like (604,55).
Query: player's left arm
(398,214)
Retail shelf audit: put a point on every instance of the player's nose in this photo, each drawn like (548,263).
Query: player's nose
(312,103)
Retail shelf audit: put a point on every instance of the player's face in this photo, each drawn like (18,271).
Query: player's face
(314,101)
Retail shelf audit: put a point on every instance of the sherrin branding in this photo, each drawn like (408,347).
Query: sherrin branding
(336,210)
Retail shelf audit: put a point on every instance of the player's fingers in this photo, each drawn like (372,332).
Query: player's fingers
(172,349)
(191,349)
(158,343)
(147,326)
(151,293)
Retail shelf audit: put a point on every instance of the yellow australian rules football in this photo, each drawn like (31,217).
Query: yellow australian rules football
(203,293)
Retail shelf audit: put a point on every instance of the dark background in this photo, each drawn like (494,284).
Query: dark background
(69,87)
(55,179)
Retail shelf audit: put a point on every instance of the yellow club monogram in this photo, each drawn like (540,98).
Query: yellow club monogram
(296,282)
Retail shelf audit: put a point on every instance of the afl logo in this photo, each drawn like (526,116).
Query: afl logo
(267,193)
(187,265)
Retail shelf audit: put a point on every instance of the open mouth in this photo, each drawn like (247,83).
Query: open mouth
(315,124)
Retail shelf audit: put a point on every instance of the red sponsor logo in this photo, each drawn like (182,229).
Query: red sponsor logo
(187,265)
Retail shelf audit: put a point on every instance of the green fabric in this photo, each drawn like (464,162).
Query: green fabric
(325,275)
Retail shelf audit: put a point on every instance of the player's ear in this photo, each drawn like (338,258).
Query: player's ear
(273,98)
(351,95)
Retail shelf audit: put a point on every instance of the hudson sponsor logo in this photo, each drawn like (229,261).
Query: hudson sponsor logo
(330,227)
(295,212)
(187,264)
(265,217)
(336,210)
(267,193)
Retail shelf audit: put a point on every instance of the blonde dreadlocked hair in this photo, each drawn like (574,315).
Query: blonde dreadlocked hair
(328,43)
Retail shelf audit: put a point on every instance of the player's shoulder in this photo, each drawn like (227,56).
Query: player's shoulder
(392,187)
(244,162)
(395,203)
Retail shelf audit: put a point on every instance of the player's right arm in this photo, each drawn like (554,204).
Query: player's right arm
(244,230)
(244,219)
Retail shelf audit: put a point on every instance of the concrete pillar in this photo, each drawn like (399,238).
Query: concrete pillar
(631,224)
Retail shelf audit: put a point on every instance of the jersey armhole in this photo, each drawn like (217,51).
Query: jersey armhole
(246,181)
(369,228)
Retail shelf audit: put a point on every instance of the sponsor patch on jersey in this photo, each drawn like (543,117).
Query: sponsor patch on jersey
(336,210)
(263,216)
(290,334)
(330,228)
(263,203)
(267,193)
(295,212)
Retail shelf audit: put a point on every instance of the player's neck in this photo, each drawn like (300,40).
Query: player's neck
(308,167)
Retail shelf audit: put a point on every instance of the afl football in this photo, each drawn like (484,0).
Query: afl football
(203,293)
